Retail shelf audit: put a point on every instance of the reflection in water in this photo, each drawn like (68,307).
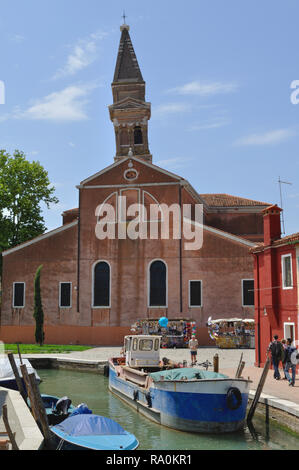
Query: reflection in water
(92,389)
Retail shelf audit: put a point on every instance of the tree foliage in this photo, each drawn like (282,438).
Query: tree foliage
(24,186)
(38,309)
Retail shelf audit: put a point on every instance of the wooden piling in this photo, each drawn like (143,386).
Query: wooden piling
(216,363)
(33,405)
(10,434)
(41,409)
(258,391)
(239,366)
(20,357)
(17,375)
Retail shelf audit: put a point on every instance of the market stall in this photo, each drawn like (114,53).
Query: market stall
(175,333)
(232,332)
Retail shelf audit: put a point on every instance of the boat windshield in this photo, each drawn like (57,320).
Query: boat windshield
(145,344)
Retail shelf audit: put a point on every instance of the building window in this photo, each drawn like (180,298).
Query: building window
(195,294)
(247,292)
(287,275)
(137,135)
(101,285)
(157,284)
(65,294)
(18,295)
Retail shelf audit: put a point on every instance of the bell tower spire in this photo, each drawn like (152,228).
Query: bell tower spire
(129,112)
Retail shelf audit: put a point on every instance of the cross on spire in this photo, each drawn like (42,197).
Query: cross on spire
(124,17)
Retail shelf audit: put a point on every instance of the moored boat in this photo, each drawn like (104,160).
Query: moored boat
(92,432)
(185,398)
(7,378)
(57,409)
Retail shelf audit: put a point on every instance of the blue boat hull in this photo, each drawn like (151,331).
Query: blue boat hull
(200,406)
(11,384)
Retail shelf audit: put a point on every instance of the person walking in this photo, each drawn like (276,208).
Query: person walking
(291,362)
(193,345)
(276,350)
(284,359)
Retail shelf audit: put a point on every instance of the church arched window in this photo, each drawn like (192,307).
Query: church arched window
(157,284)
(137,135)
(101,284)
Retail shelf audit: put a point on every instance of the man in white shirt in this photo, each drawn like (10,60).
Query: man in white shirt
(193,345)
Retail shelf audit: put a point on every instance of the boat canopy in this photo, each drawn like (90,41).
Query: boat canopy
(185,373)
(6,371)
(90,425)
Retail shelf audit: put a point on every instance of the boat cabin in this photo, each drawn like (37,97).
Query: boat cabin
(142,350)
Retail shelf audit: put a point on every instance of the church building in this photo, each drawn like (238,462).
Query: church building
(93,289)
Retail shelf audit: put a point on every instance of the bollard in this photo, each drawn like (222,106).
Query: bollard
(216,363)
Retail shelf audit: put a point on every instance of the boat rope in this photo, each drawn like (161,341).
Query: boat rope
(59,447)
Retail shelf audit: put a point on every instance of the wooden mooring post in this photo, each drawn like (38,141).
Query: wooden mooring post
(37,406)
(216,363)
(16,374)
(10,434)
(258,391)
(240,367)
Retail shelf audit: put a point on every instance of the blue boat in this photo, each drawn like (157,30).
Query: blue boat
(92,432)
(57,409)
(184,398)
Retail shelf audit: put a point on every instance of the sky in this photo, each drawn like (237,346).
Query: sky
(218,75)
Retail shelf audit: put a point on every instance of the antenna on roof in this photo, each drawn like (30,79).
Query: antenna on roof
(282,216)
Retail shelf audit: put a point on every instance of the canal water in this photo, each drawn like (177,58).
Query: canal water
(92,389)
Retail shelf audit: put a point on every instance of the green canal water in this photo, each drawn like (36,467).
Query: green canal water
(92,389)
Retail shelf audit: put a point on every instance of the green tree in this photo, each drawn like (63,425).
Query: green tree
(38,309)
(24,186)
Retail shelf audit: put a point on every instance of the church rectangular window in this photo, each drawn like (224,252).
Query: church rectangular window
(247,292)
(65,294)
(195,294)
(18,295)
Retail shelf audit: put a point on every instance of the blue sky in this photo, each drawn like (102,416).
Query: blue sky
(218,75)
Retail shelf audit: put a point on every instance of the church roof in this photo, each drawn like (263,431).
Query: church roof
(227,200)
(127,67)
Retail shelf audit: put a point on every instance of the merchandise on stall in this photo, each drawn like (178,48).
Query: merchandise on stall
(175,333)
(232,332)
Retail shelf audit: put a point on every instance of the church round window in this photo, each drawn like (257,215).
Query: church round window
(130,174)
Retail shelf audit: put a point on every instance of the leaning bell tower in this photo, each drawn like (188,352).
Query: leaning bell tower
(129,112)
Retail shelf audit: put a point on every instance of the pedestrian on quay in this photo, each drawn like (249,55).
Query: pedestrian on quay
(284,359)
(276,350)
(291,362)
(193,345)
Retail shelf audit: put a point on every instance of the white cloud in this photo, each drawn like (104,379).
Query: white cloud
(171,108)
(18,38)
(268,138)
(205,88)
(83,54)
(211,124)
(173,163)
(65,105)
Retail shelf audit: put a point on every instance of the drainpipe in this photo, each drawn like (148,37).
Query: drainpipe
(78,256)
(258,311)
(180,250)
